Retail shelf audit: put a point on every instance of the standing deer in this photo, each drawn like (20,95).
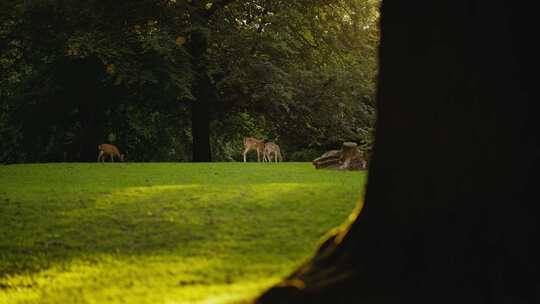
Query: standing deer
(251,143)
(269,149)
(109,150)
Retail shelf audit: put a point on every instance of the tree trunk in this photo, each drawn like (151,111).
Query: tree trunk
(82,79)
(89,136)
(450,212)
(205,95)
(200,122)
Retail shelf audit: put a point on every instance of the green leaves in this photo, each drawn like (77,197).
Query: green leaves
(308,66)
(305,70)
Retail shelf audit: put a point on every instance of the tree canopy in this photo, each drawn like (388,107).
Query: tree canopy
(184,80)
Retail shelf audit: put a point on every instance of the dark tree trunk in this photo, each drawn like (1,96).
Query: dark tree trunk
(450,211)
(204,89)
(90,135)
(82,78)
(205,95)
(200,119)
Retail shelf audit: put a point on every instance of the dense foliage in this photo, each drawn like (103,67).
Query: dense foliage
(184,80)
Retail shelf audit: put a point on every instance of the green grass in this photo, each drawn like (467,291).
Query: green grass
(161,233)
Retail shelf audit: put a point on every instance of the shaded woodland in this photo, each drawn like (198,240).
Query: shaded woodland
(184,80)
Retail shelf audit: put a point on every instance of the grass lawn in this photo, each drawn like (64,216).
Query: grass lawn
(161,233)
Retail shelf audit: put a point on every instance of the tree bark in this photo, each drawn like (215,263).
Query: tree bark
(205,95)
(200,120)
(451,208)
(89,135)
(204,90)
(82,80)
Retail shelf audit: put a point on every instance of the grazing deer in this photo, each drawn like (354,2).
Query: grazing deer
(251,143)
(109,150)
(269,149)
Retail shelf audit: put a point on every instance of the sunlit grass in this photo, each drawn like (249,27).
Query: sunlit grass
(161,233)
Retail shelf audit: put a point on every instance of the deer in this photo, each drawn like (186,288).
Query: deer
(109,150)
(269,149)
(251,143)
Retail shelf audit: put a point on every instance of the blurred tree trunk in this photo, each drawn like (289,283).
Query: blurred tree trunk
(204,89)
(200,119)
(451,208)
(89,136)
(205,95)
(82,79)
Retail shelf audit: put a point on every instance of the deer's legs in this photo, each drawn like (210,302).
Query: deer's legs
(245,152)
(112,158)
(100,155)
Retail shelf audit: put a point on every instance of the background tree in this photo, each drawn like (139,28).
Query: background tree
(451,211)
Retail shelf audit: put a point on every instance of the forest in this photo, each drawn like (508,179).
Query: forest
(182,81)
